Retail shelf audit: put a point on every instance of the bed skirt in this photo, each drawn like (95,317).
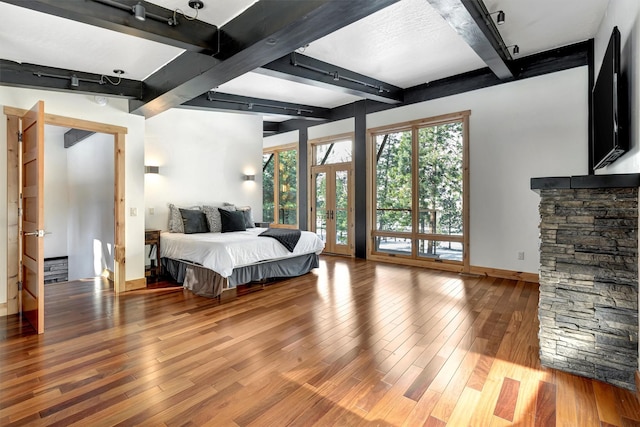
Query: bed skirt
(207,283)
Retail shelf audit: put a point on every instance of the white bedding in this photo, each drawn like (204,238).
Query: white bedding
(222,252)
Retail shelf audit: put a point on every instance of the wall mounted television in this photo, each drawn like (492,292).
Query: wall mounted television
(609,108)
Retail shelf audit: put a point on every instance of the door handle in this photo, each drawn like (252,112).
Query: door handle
(331,214)
(37,233)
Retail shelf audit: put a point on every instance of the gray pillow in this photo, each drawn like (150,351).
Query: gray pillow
(175,218)
(248,216)
(232,220)
(194,221)
(213,217)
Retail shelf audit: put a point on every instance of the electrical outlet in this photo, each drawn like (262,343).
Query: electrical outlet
(133,212)
(151,211)
(521,255)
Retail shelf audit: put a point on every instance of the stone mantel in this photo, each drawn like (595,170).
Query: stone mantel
(588,308)
(626,180)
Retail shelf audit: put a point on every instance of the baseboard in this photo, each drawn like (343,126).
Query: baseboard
(134,284)
(3,309)
(638,384)
(505,274)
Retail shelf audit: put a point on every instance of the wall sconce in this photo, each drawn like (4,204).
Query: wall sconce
(249,177)
(152,169)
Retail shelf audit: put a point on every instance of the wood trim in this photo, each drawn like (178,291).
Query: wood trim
(430,121)
(70,122)
(505,274)
(333,138)
(134,284)
(119,133)
(458,268)
(283,147)
(119,256)
(13,221)
(466,196)
(4,309)
(402,260)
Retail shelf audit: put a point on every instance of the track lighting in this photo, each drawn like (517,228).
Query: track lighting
(500,18)
(75,80)
(140,13)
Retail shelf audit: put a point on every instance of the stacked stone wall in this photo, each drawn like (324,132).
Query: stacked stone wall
(588,308)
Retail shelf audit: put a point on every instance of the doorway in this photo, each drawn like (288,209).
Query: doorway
(15,236)
(332,207)
(331,192)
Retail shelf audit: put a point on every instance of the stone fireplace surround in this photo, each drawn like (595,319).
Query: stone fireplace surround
(588,308)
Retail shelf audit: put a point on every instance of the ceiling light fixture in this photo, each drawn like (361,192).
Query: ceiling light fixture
(500,18)
(139,12)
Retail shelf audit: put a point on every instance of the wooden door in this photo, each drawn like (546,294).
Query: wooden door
(332,216)
(32,191)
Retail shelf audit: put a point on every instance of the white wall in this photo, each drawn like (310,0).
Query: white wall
(84,107)
(281,139)
(530,128)
(90,177)
(625,14)
(202,158)
(56,200)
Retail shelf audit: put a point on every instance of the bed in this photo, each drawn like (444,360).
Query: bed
(210,263)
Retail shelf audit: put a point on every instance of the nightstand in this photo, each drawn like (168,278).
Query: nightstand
(152,251)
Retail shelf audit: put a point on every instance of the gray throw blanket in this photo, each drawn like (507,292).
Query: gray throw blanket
(288,237)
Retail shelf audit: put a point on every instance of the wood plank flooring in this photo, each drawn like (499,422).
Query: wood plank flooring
(355,343)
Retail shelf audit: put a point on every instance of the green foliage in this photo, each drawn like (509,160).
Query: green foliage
(439,180)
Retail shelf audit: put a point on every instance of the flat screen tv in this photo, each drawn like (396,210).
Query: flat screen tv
(610,139)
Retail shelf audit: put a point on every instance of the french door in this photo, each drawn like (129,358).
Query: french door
(332,216)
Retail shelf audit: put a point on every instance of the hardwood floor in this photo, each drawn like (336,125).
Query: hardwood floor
(354,343)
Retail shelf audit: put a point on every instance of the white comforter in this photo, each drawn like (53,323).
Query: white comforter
(222,252)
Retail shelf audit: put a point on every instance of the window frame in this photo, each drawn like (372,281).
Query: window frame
(275,150)
(415,236)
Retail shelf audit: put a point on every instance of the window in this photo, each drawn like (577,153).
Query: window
(280,185)
(419,181)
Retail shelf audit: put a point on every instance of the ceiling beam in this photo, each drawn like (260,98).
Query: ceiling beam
(194,35)
(551,61)
(471,20)
(266,31)
(73,136)
(243,104)
(41,77)
(299,68)
(270,128)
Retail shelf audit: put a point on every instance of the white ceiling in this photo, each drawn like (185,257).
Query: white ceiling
(406,44)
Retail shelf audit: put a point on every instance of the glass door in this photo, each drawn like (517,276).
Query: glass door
(332,218)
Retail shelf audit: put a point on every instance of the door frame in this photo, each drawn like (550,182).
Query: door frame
(119,134)
(312,168)
(331,171)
